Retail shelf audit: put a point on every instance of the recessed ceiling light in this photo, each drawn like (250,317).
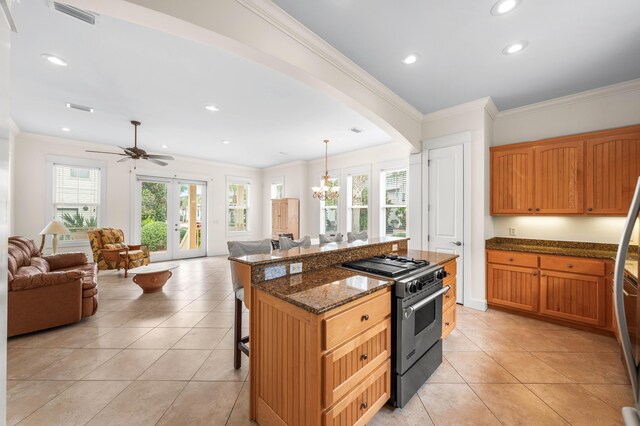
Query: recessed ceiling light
(226,142)
(504,6)
(410,59)
(516,47)
(55,60)
(164,146)
(65,129)
(211,108)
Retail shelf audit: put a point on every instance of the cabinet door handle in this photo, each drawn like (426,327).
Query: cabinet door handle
(530,209)
(365,317)
(364,357)
(511,259)
(590,209)
(569,265)
(535,274)
(537,210)
(364,405)
(447,324)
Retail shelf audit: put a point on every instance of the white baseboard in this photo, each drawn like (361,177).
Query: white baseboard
(480,305)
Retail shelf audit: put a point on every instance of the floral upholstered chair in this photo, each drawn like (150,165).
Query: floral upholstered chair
(111,252)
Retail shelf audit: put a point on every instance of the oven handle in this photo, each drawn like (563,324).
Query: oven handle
(411,309)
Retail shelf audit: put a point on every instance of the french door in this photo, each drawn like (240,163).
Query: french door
(171,217)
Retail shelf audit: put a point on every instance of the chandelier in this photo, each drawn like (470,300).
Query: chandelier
(326,192)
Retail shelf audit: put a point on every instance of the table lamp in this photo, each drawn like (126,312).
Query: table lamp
(54,227)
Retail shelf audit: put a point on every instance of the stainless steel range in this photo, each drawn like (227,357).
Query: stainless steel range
(417,319)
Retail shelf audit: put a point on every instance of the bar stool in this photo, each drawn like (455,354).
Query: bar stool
(353,236)
(238,249)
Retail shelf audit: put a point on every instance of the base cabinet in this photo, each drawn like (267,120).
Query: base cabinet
(449,299)
(568,289)
(574,297)
(513,286)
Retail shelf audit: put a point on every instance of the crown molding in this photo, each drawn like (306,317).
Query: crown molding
(482,103)
(288,25)
(586,96)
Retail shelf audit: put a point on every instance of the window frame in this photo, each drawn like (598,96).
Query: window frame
(383,202)
(348,178)
(335,175)
(101,211)
(278,180)
(238,181)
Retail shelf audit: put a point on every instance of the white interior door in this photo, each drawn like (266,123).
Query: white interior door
(446,206)
(171,217)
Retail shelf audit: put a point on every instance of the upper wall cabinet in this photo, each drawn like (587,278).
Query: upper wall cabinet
(512,181)
(586,174)
(613,167)
(559,178)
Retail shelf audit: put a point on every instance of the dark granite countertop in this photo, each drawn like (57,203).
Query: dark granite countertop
(326,289)
(313,250)
(562,248)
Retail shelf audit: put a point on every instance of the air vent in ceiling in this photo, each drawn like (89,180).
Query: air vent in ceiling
(74,12)
(79,107)
(356,130)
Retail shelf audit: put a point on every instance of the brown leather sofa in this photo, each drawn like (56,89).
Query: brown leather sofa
(48,291)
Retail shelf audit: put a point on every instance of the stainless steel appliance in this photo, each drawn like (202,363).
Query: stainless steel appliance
(627,304)
(416,318)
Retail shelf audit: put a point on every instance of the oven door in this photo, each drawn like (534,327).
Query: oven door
(419,327)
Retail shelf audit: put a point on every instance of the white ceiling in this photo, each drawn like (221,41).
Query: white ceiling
(575,45)
(129,72)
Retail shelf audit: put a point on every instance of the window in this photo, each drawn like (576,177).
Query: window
(277,188)
(76,197)
(329,211)
(394,202)
(358,202)
(238,205)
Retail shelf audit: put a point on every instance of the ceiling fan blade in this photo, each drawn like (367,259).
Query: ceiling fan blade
(122,160)
(105,152)
(160,157)
(158,162)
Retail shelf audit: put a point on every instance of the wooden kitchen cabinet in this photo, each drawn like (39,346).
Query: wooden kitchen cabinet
(449,299)
(559,178)
(612,170)
(575,297)
(585,174)
(512,181)
(285,217)
(567,289)
(515,287)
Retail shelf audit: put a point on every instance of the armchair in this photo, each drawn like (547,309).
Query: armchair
(110,251)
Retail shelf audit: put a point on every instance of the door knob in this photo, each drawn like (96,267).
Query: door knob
(456,243)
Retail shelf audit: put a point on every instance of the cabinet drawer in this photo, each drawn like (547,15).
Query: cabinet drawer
(364,401)
(451,268)
(572,265)
(349,364)
(448,321)
(350,323)
(512,258)
(449,299)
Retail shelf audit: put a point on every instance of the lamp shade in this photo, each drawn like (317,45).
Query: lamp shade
(55,227)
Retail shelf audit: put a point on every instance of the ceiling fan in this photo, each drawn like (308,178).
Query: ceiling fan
(136,153)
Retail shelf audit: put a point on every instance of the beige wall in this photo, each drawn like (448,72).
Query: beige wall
(608,107)
(30,188)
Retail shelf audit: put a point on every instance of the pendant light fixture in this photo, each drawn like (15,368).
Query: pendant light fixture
(326,192)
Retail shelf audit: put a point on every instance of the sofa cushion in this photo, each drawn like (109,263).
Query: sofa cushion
(26,282)
(90,278)
(65,260)
(20,253)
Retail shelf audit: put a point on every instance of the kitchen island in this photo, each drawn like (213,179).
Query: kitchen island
(321,340)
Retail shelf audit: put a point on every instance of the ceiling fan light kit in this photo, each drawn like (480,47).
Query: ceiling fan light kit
(136,153)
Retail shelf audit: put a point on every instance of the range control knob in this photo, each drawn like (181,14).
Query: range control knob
(441,274)
(411,287)
(420,285)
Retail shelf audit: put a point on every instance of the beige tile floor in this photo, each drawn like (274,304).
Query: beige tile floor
(166,359)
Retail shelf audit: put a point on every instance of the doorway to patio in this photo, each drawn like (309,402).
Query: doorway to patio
(170,217)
